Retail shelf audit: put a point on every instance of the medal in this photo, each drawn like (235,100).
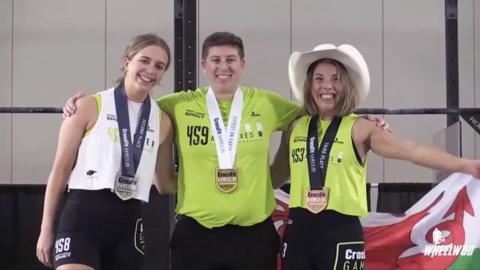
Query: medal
(316,197)
(316,200)
(226,179)
(226,139)
(125,186)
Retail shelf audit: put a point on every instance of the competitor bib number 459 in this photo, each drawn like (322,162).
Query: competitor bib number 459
(227,179)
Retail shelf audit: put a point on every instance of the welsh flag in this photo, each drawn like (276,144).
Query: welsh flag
(441,231)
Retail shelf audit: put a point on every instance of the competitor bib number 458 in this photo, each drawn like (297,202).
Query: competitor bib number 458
(226,179)
(316,199)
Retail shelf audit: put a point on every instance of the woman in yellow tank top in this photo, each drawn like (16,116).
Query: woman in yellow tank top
(327,150)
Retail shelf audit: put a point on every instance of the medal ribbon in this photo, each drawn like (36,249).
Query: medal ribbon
(131,152)
(225,138)
(317,157)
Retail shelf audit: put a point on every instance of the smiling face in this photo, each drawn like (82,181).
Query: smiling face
(145,69)
(328,90)
(223,67)
(325,89)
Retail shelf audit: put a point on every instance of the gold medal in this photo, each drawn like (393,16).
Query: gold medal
(125,186)
(226,179)
(316,200)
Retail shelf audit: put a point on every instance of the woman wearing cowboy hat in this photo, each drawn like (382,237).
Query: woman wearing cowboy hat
(327,155)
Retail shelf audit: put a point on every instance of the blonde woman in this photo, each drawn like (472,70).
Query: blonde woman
(117,142)
(327,155)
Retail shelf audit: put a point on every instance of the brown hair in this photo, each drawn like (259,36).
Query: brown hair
(348,94)
(220,39)
(140,42)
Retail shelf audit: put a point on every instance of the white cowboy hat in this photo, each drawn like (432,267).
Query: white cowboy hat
(346,54)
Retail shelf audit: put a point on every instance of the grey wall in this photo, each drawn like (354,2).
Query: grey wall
(476,56)
(54,48)
(51,49)
(5,90)
(402,41)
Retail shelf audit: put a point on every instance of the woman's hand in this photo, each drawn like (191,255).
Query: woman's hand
(70,108)
(472,167)
(44,247)
(380,122)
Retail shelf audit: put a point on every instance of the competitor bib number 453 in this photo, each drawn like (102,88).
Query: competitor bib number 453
(226,179)
(316,199)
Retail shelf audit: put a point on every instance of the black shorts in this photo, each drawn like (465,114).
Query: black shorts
(229,247)
(327,240)
(98,229)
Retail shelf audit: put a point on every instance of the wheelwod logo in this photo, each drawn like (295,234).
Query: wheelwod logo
(437,249)
(437,236)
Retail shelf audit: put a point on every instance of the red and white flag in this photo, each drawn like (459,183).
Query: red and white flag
(441,231)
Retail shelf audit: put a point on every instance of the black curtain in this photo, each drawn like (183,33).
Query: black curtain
(21,209)
(20,217)
(369,187)
(398,197)
(21,212)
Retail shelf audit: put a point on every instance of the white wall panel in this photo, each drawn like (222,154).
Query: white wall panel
(414,40)
(6,146)
(350,22)
(34,144)
(125,20)
(59,48)
(414,75)
(413,128)
(5,52)
(264,28)
(343,22)
(5,89)
(476,33)
(466,53)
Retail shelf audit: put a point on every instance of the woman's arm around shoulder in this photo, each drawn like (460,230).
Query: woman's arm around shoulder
(165,179)
(280,167)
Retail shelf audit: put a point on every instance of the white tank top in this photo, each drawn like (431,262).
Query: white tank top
(99,156)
